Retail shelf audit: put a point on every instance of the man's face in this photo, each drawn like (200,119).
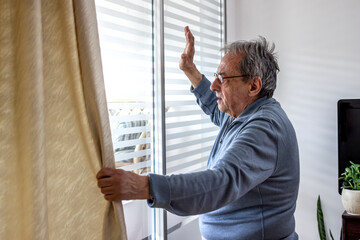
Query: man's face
(233,93)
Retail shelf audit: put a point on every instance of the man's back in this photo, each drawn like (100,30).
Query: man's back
(261,144)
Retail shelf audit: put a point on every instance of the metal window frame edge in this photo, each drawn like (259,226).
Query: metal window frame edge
(159,156)
(224,22)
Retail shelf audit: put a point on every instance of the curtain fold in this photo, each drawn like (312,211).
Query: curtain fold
(54,129)
(94,93)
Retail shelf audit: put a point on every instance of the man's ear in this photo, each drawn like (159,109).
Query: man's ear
(255,86)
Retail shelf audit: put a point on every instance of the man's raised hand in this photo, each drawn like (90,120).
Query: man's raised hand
(187,59)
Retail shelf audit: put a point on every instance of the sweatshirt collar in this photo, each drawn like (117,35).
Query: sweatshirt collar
(253,108)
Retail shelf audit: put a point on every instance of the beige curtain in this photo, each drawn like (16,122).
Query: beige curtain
(54,130)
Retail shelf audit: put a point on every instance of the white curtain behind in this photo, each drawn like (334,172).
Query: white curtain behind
(54,130)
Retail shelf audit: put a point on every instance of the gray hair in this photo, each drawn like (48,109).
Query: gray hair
(259,61)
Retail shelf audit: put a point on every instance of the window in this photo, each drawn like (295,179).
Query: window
(189,132)
(178,138)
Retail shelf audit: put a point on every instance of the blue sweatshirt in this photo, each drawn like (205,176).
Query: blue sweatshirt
(250,186)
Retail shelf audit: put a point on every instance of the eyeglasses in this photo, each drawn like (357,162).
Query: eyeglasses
(221,78)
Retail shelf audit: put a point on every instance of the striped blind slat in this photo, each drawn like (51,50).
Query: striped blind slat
(186,124)
(190,143)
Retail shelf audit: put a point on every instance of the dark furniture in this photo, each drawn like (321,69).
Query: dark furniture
(348,134)
(350,226)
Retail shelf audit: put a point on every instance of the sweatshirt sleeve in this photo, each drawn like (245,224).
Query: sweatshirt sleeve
(249,160)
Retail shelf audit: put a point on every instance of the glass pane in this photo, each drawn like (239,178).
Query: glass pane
(189,132)
(125,32)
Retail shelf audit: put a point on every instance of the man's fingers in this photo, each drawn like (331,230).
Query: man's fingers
(190,38)
(109,197)
(189,49)
(104,182)
(104,173)
(107,190)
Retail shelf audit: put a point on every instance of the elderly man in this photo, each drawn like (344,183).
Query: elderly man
(250,187)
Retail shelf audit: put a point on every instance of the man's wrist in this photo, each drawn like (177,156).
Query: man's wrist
(145,186)
(194,76)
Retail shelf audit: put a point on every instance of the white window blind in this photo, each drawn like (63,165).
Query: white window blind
(189,132)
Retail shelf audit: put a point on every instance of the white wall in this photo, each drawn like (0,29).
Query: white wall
(318,45)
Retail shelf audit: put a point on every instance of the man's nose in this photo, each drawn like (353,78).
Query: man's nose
(215,85)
